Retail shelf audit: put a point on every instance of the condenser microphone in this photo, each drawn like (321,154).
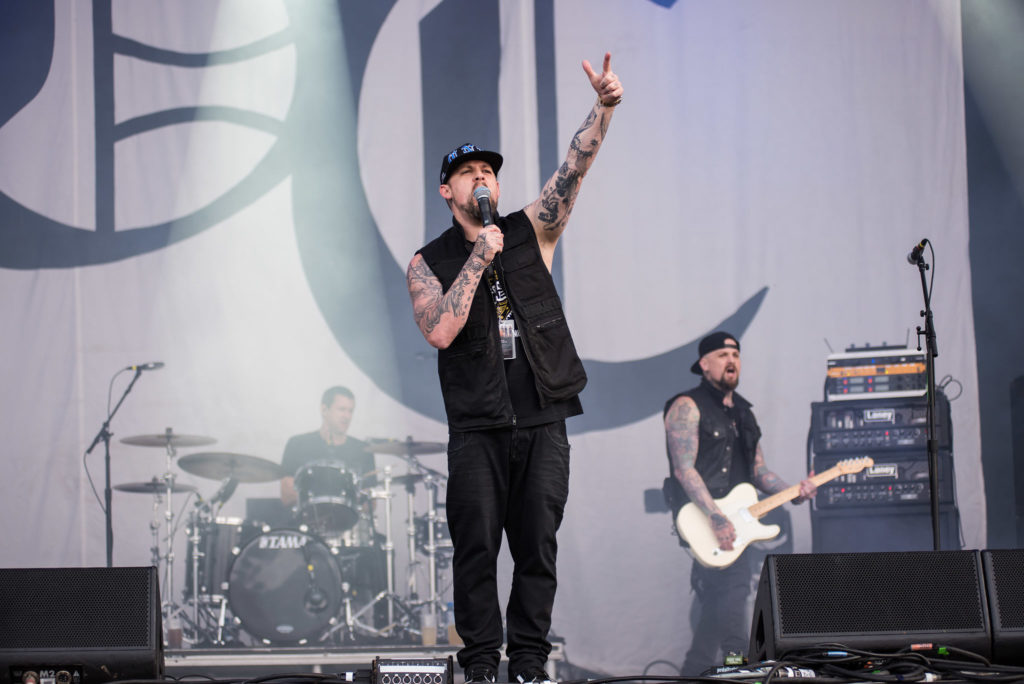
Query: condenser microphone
(915,254)
(154,365)
(482,195)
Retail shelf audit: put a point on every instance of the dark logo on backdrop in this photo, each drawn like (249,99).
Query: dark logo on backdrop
(365,303)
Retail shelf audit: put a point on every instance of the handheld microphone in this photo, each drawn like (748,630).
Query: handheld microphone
(154,365)
(915,254)
(482,195)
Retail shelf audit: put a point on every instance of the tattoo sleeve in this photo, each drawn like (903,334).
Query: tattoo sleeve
(441,315)
(764,479)
(682,424)
(551,210)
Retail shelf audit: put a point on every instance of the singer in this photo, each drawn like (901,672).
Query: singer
(483,295)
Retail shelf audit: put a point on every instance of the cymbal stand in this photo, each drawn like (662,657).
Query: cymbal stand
(432,484)
(389,546)
(410,535)
(351,621)
(168,478)
(197,552)
(433,480)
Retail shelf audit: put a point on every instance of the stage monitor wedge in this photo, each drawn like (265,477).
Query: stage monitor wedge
(882,601)
(80,625)
(1004,577)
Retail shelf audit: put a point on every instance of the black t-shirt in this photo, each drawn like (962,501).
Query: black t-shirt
(309,447)
(526,401)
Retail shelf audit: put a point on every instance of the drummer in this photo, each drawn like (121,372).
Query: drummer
(330,443)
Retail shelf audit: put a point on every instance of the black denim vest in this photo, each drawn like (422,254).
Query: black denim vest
(717,444)
(471,369)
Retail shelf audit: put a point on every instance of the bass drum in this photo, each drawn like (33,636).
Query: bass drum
(285,587)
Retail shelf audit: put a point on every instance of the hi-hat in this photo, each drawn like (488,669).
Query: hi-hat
(404,447)
(154,486)
(215,465)
(168,439)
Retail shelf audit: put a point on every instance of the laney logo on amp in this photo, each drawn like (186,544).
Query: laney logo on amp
(284,540)
(880,415)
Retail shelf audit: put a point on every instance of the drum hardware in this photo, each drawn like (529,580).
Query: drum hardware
(164,487)
(433,480)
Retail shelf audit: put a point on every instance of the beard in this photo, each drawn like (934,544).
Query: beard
(471,208)
(725,381)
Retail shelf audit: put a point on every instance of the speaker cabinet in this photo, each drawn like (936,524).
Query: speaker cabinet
(874,601)
(1004,579)
(883,528)
(80,625)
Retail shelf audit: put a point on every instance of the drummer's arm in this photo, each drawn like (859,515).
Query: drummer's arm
(288,494)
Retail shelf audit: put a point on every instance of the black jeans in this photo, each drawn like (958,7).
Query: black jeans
(723,624)
(516,480)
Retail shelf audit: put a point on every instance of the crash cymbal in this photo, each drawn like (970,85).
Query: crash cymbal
(167,439)
(404,447)
(154,486)
(216,465)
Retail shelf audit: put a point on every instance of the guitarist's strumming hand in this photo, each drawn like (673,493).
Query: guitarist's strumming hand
(725,533)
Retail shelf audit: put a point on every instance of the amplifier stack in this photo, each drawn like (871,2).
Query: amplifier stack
(886,507)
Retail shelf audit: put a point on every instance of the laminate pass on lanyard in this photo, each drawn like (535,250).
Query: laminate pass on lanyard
(506,322)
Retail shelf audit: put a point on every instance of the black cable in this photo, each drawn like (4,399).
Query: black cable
(85,455)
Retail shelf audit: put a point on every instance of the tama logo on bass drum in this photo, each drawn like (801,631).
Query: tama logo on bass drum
(291,540)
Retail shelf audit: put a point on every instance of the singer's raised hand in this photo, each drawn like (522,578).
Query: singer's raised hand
(606,83)
(550,212)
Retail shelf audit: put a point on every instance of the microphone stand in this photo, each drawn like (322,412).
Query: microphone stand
(105,434)
(931,351)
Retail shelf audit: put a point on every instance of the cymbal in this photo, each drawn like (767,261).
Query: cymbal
(408,478)
(167,439)
(404,447)
(216,465)
(154,486)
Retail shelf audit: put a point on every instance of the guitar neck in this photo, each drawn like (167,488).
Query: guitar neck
(789,493)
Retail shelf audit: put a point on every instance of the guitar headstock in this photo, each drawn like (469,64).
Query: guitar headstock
(855,465)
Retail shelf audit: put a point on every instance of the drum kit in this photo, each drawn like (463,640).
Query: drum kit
(327,576)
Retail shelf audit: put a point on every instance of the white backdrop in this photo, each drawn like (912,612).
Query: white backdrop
(797,146)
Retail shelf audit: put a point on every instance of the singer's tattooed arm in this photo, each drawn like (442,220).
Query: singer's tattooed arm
(550,212)
(682,433)
(441,315)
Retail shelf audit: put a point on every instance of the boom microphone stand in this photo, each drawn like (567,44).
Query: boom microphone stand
(105,434)
(916,257)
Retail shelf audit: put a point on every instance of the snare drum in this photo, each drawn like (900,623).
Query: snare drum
(285,586)
(328,497)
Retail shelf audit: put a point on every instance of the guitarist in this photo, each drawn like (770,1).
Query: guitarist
(713,445)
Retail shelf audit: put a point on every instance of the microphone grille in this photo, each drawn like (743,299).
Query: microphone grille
(483,192)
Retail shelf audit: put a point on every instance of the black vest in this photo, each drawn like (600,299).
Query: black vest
(471,369)
(717,444)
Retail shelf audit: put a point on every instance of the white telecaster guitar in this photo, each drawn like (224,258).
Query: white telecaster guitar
(743,510)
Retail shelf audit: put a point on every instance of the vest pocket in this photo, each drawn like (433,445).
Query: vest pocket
(556,365)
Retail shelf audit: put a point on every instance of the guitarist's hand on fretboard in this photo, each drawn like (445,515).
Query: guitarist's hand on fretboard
(725,533)
(807,489)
